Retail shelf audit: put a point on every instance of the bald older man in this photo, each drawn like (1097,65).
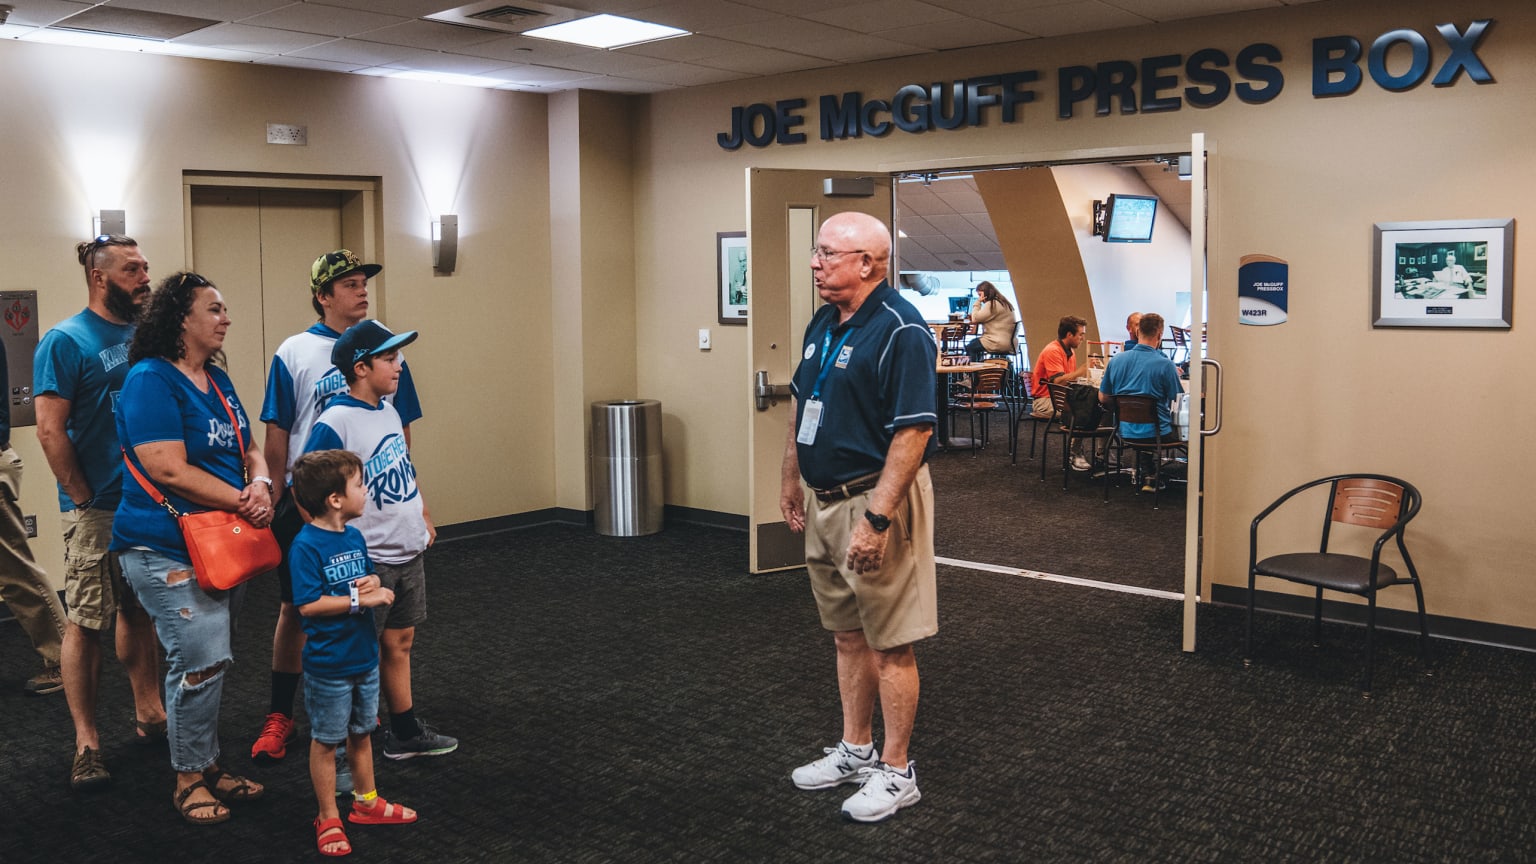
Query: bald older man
(860,439)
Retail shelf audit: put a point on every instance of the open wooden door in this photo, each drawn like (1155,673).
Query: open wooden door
(1204,387)
(784,210)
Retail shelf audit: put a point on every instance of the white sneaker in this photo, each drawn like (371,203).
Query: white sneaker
(885,791)
(840,765)
(1080,464)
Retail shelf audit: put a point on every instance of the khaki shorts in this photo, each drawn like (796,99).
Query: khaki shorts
(93,583)
(894,606)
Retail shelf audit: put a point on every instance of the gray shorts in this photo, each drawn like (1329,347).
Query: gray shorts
(409,582)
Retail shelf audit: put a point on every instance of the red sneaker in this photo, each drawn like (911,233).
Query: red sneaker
(272,744)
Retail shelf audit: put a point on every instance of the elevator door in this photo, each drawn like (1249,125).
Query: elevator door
(257,246)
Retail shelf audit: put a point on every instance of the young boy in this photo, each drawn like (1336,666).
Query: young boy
(333,583)
(394,522)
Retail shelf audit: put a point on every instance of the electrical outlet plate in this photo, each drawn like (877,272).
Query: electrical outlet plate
(30,521)
(284,133)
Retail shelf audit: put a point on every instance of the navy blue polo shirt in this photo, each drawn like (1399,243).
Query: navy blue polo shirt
(881,379)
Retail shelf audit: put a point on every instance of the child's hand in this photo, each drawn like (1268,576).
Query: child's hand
(366,583)
(384,596)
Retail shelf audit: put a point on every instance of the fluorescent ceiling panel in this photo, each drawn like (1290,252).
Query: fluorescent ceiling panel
(606,31)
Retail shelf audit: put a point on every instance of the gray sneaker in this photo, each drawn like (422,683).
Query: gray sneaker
(50,680)
(885,791)
(429,743)
(840,765)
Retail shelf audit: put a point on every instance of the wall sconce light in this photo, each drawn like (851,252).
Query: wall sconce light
(445,244)
(109,222)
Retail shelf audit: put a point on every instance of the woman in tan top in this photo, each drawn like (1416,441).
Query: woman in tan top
(997,319)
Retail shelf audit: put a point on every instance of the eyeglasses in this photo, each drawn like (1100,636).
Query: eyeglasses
(829,254)
(192,280)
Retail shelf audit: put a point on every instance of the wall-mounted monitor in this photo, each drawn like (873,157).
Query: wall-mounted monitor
(1129,218)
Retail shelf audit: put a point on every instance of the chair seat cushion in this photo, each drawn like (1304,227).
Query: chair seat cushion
(1335,572)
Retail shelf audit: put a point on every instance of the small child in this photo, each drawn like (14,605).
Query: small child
(395,523)
(333,582)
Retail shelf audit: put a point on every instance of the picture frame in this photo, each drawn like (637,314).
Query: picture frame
(1454,273)
(731,274)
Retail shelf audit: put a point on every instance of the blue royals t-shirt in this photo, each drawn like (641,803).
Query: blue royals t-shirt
(159,403)
(84,359)
(324,564)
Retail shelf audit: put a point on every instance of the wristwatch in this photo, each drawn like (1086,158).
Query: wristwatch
(876,521)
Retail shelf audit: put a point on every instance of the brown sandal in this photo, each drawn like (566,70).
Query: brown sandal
(189,811)
(243,790)
(150,734)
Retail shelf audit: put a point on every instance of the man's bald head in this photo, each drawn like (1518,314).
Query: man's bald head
(853,252)
(860,231)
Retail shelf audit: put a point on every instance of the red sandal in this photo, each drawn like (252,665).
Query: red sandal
(331,828)
(381,813)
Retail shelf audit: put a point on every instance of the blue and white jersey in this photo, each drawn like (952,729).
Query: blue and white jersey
(302,382)
(393,522)
(84,359)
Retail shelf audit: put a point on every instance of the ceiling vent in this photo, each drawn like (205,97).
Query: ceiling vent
(506,17)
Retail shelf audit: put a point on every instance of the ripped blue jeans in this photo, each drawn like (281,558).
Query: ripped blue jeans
(193,626)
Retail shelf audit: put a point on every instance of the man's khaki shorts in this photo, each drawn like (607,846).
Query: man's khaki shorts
(894,606)
(93,583)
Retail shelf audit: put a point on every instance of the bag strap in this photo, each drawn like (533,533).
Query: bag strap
(154,492)
(245,470)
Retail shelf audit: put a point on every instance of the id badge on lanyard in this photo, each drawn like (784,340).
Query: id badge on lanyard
(810,420)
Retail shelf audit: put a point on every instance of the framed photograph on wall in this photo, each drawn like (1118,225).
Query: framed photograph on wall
(731,270)
(1456,273)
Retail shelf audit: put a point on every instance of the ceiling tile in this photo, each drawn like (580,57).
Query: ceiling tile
(697,15)
(243,37)
(315,18)
(686,74)
(880,15)
(430,34)
(954,33)
(224,10)
(612,84)
(439,61)
(985,9)
(308,63)
(952,224)
(206,52)
(787,7)
(402,8)
(541,75)
(783,33)
(44,12)
(1170,10)
(683,48)
(857,48)
(354,51)
(763,61)
(1061,19)
(607,63)
(524,49)
(913,224)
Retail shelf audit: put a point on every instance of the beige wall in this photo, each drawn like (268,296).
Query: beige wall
(90,129)
(1299,177)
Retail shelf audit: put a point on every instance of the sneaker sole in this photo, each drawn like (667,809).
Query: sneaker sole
(268,757)
(414,753)
(832,785)
(915,797)
(44,691)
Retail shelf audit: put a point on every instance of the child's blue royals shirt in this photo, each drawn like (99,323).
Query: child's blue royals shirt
(324,564)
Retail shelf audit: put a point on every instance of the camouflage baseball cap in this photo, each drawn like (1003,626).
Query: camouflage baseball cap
(334,265)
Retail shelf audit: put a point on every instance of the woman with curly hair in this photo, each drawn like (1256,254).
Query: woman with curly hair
(183,428)
(995,315)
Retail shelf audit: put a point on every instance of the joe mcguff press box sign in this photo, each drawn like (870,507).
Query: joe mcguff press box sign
(1152,84)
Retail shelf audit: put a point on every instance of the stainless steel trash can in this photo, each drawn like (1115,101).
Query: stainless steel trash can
(626,467)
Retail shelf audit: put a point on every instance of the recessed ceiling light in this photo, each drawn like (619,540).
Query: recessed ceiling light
(606,31)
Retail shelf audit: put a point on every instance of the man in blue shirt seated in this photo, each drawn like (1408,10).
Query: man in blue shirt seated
(1144,370)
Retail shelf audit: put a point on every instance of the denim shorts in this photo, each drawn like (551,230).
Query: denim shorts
(338,707)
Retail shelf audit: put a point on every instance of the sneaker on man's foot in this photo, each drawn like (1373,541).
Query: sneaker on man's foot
(1080,464)
(272,744)
(50,680)
(429,743)
(88,772)
(343,772)
(840,765)
(885,791)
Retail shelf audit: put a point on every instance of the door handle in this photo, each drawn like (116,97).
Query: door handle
(1208,363)
(768,395)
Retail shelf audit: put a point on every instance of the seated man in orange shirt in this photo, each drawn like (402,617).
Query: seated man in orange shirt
(1055,365)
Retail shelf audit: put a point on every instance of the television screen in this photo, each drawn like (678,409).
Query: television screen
(959,305)
(1130,219)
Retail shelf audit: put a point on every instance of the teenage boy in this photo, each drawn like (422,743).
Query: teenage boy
(301,383)
(394,522)
(333,582)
